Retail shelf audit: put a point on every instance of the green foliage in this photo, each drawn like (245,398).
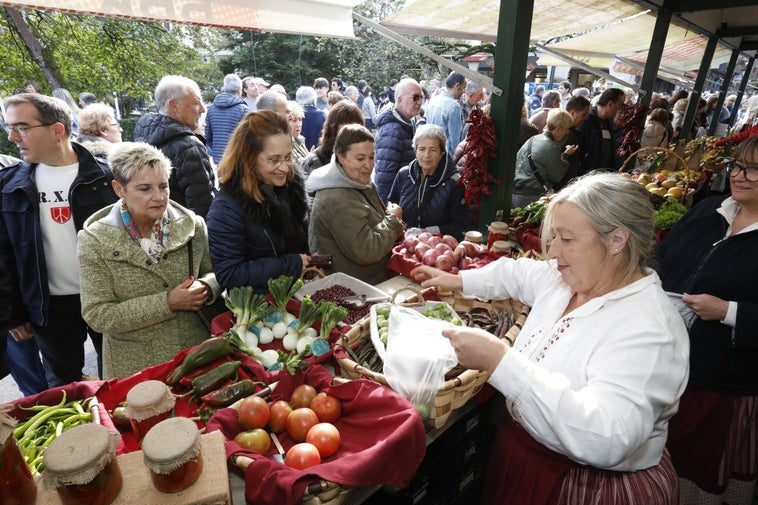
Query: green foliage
(6,146)
(101,55)
(127,124)
(669,214)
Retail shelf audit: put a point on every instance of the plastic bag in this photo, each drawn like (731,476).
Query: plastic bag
(688,316)
(417,357)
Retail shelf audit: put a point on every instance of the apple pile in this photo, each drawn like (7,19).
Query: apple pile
(442,251)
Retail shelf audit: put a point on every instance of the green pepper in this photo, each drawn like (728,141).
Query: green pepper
(230,393)
(211,380)
(206,352)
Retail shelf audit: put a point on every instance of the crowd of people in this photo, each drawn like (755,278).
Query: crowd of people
(123,242)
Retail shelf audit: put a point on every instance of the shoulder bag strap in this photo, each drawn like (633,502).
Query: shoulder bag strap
(537,175)
(190,258)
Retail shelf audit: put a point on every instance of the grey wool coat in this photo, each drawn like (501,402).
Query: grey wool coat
(125,293)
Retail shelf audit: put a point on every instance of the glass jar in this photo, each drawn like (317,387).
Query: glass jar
(473,236)
(498,230)
(16,482)
(81,464)
(147,404)
(501,247)
(171,452)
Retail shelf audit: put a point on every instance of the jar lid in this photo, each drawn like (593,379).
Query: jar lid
(7,424)
(498,227)
(170,444)
(148,399)
(78,455)
(473,236)
(501,246)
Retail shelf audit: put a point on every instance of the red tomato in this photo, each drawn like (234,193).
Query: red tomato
(302,396)
(302,456)
(325,437)
(255,440)
(280,410)
(253,413)
(327,408)
(299,422)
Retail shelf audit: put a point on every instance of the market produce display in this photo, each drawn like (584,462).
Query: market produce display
(48,422)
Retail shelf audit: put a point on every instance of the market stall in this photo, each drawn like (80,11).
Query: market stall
(384,441)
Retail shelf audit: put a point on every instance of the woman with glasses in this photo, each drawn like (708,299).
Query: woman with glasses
(295,114)
(257,224)
(348,219)
(709,260)
(98,129)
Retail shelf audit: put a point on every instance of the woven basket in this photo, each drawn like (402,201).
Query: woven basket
(323,492)
(668,152)
(463,383)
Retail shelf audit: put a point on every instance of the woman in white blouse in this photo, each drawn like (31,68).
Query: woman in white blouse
(597,370)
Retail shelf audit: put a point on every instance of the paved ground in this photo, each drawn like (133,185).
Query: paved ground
(9,391)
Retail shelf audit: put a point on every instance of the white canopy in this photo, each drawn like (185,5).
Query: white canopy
(309,17)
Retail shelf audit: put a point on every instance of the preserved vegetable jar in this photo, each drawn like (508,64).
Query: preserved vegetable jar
(17,485)
(498,230)
(473,236)
(171,452)
(147,404)
(81,464)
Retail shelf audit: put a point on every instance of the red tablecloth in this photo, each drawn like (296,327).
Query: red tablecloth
(382,441)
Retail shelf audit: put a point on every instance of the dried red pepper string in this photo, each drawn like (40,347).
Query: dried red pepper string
(632,123)
(481,145)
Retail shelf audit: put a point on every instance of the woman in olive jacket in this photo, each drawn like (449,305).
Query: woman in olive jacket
(136,284)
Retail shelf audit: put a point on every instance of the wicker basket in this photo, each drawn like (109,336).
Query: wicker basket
(323,492)
(462,383)
(668,152)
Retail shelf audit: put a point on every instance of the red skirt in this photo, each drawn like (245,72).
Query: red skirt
(712,438)
(521,470)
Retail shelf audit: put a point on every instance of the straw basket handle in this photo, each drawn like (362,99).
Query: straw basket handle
(419,297)
(668,152)
(315,270)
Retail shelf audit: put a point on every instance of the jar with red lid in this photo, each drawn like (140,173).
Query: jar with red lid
(81,464)
(147,404)
(171,451)
(17,486)
(498,230)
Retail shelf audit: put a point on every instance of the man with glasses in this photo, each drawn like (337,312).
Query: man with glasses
(445,110)
(394,135)
(45,201)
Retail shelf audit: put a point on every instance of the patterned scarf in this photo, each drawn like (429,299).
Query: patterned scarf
(153,245)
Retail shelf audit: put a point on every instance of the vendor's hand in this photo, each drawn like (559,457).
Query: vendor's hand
(430,277)
(22,332)
(707,307)
(189,295)
(571,149)
(306,259)
(475,348)
(394,209)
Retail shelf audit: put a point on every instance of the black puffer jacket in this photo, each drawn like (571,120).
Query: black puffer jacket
(192,182)
(252,242)
(394,149)
(434,202)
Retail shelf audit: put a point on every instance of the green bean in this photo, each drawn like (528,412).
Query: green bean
(20,430)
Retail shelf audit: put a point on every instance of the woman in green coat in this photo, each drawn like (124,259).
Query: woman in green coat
(136,284)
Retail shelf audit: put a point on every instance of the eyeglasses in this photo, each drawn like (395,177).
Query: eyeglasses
(733,168)
(277,162)
(416,98)
(23,130)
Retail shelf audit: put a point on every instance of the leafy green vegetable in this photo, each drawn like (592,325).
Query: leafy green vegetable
(238,344)
(282,289)
(248,308)
(669,214)
(309,314)
(443,312)
(331,314)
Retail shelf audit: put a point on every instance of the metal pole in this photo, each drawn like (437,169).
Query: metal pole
(694,97)
(654,55)
(743,87)
(722,95)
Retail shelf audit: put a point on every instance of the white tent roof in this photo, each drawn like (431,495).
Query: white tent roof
(309,17)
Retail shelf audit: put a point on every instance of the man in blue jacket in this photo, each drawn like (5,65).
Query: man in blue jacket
(224,115)
(45,201)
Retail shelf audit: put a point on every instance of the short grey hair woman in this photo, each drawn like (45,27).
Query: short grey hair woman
(427,188)
(144,265)
(542,162)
